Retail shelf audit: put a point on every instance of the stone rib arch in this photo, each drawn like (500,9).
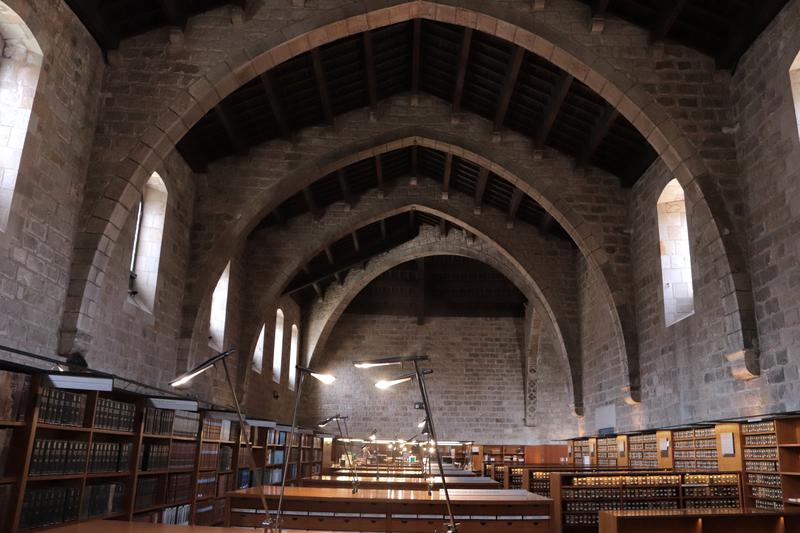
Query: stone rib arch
(284,264)
(98,237)
(585,235)
(324,316)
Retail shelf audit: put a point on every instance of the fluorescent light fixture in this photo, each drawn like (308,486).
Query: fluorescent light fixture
(352,440)
(64,380)
(388,383)
(385,361)
(173,404)
(185,378)
(256,423)
(327,379)
(330,419)
(450,443)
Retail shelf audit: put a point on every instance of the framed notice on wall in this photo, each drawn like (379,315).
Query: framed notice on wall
(726,441)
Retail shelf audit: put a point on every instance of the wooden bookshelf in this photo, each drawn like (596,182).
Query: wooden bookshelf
(695,449)
(771,452)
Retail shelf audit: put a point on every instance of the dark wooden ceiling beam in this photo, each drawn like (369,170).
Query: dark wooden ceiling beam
(345,188)
(513,206)
(275,104)
(383,229)
(546,223)
(103,28)
(329,255)
(356,243)
(339,277)
(175,11)
(751,20)
(225,118)
(668,11)
(379,175)
(461,69)
(448,172)
(393,240)
(597,134)
(510,82)
(318,290)
(312,204)
(442,227)
(557,97)
(598,15)
(416,55)
(414,160)
(369,59)
(480,188)
(322,85)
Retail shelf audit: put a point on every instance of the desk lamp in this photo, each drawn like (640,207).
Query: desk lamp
(348,444)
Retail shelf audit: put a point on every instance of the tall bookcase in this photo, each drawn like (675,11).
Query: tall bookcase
(772,463)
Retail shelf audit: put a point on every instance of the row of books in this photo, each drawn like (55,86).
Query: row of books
(206,486)
(154,457)
(62,407)
(148,492)
(14,391)
(103,499)
(181,455)
(110,457)
(179,487)
(118,416)
(186,424)
(5,449)
(158,421)
(218,429)
(225,461)
(48,506)
(208,456)
(275,456)
(179,515)
(58,456)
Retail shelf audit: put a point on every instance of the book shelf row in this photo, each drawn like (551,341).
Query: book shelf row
(766,452)
(70,456)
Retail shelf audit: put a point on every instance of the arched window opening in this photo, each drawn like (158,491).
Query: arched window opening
(676,260)
(219,310)
(258,353)
(794,79)
(277,347)
(20,66)
(151,213)
(293,357)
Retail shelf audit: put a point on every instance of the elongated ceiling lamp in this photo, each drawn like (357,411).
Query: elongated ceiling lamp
(327,379)
(348,444)
(419,374)
(187,377)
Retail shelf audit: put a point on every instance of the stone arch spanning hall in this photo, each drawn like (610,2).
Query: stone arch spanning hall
(325,314)
(541,267)
(631,101)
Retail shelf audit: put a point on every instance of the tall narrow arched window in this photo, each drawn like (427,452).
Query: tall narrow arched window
(20,66)
(293,357)
(258,353)
(676,260)
(151,214)
(219,310)
(794,79)
(277,347)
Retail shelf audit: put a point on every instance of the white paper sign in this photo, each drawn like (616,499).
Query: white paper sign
(663,444)
(587,460)
(621,447)
(727,444)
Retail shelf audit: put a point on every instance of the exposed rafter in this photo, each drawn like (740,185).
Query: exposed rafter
(461,70)
(480,187)
(175,11)
(230,129)
(513,207)
(416,55)
(557,97)
(322,85)
(313,207)
(448,172)
(329,255)
(508,86)
(345,188)
(275,104)
(369,59)
(668,11)
(597,134)
(356,243)
(379,174)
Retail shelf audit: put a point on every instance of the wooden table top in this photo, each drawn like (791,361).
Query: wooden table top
(405,472)
(694,513)
(475,496)
(395,479)
(117,526)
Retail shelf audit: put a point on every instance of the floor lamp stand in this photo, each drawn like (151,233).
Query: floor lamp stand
(244,431)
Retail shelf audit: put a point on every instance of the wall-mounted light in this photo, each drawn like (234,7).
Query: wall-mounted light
(67,380)
(186,377)
(173,404)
